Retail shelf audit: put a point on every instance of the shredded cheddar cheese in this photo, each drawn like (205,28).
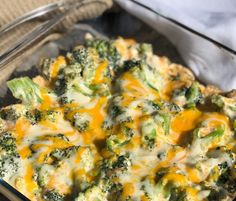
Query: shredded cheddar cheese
(111,121)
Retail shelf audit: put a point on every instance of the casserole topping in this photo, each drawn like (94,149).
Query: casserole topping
(112,121)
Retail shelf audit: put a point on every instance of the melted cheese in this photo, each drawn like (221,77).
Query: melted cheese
(177,157)
(98,78)
(31,185)
(186,120)
(60,61)
(21,127)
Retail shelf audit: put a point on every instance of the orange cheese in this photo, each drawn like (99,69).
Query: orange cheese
(24,152)
(46,102)
(128,189)
(56,66)
(176,178)
(193,174)
(186,120)
(98,78)
(21,127)
(31,185)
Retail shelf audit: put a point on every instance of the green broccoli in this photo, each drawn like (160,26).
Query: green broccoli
(150,107)
(193,94)
(148,130)
(225,105)
(190,96)
(145,73)
(49,115)
(115,141)
(122,163)
(216,195)
(53,196)
(3,125)
(45,67)
(227,178)
(26,90)
(43,173)
(163,120)
(93,193)
(80,122)
(60,154)
(12,112)
(33,116)
(76,77)
(9,159)
(106,50)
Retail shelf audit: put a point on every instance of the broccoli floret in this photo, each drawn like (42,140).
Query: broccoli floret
(122,163)
(9,165)
(26,90)
(107,124)
(218,132)
(3,125)
(177,194)
(79,55)
(33,116)
(11,113)
(118,113)
(8,144)
(121,138)
(172,107)
(70,86)
(106,50)
(224,104)
(115,164)
(101,89)
(80,122)
(64,100)
(115,191)
(129,65)
(92,194)
(76,76)
(216,195)
(179,92)
(61,83)
(82,59)
(43,173)
(45,67)
(114,110)
(218,100)
(193,94)
(163,120)
(97,192)
(9,158)
(53,196)
(188,97)
(150,107)
(50,115)
(148,130)
(227,179)
(60,154)
(147,74)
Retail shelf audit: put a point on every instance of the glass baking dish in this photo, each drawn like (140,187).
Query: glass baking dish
(112,24)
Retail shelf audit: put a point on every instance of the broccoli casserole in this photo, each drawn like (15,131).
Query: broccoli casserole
(111,121)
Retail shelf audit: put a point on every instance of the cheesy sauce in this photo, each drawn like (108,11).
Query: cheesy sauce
(112,121)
